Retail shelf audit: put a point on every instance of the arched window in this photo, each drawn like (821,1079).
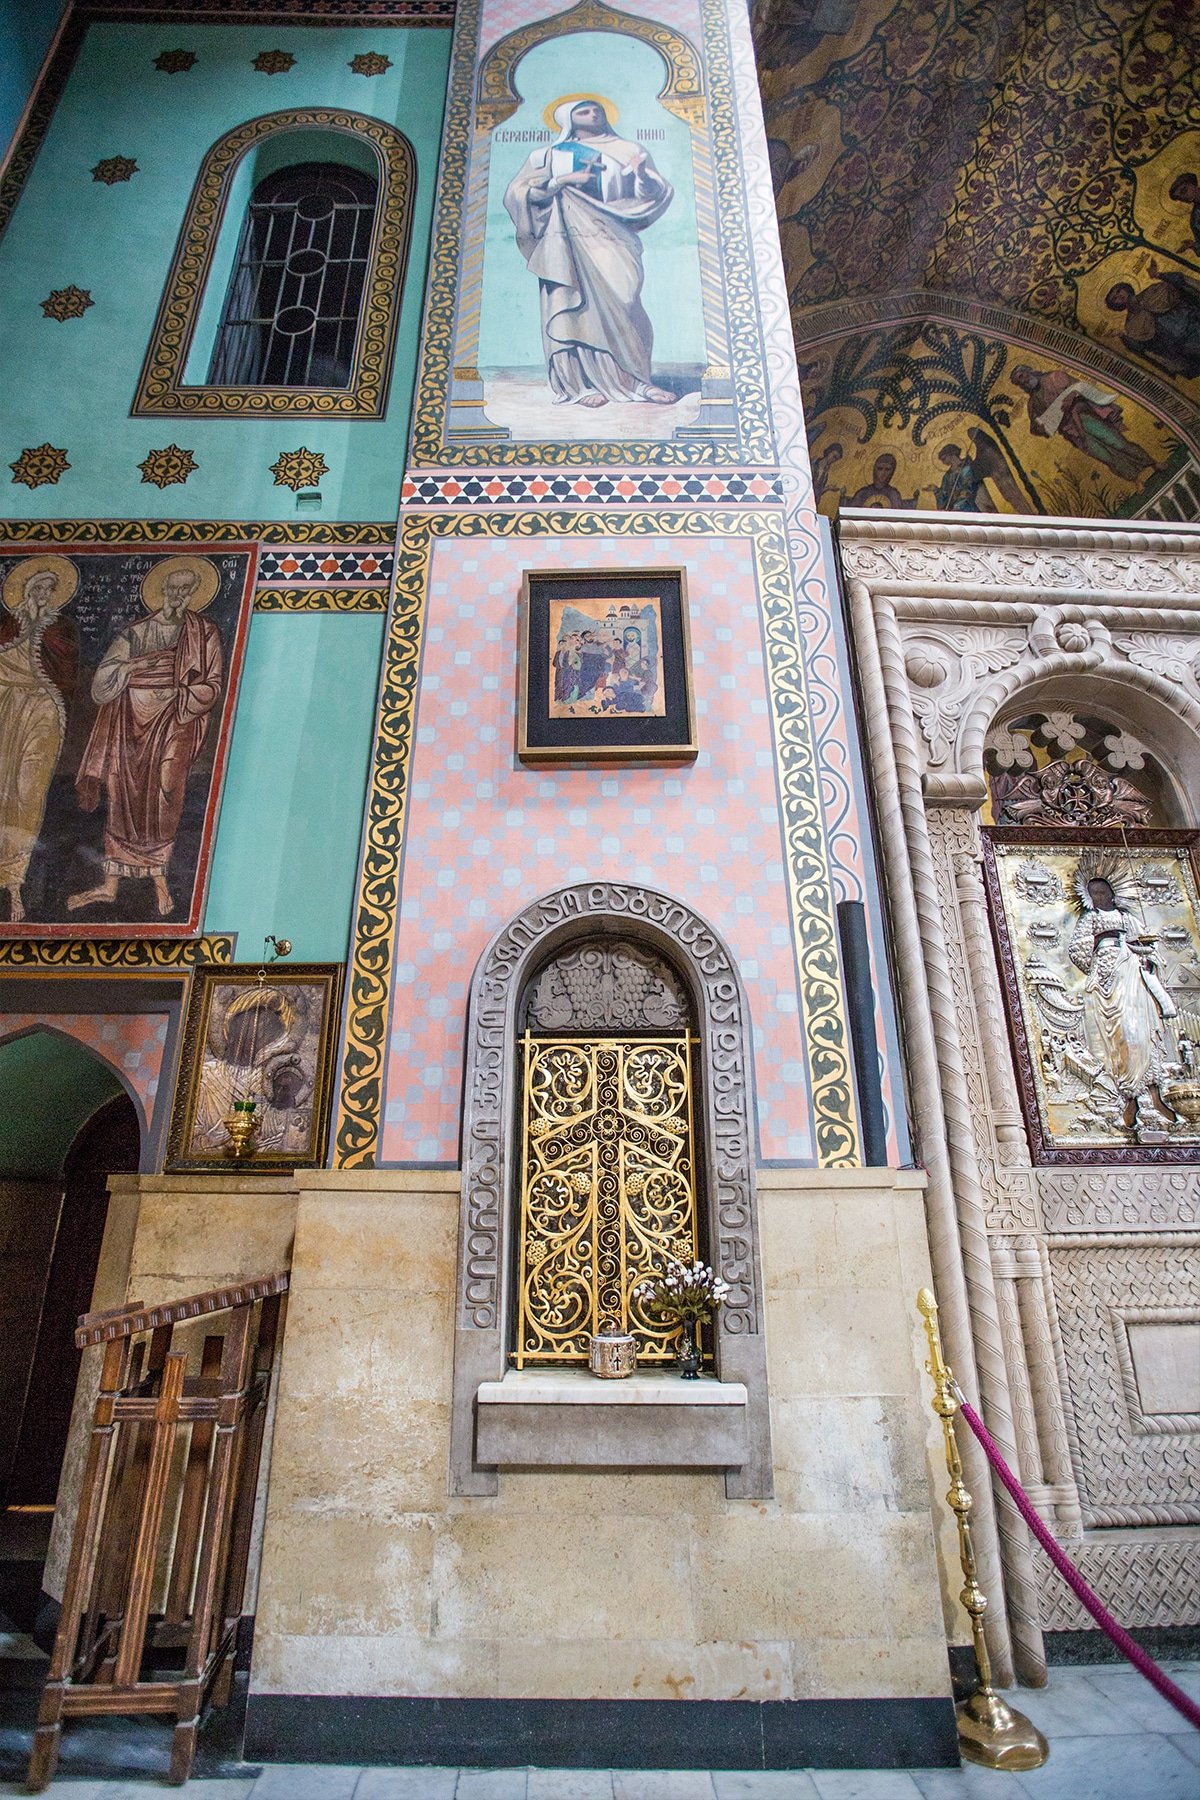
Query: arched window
(292,310)
(285,291)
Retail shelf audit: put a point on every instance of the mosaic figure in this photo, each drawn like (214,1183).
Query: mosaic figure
(1162,323)
(1187,189)
(879,490)
(156,685)
(38,662)
(579,207)
(1061,404)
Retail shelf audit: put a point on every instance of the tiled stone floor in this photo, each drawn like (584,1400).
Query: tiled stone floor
(1111,1738)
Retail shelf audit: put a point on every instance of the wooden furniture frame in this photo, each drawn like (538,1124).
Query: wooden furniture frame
(164,1517)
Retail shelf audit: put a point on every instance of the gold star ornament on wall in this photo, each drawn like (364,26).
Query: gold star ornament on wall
(299,468)
(175,62)
(274,62)
(370,63)
(111,169)
(168,468)
(67,303)
(40,467)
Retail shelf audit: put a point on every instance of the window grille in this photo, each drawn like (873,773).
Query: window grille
(291,315)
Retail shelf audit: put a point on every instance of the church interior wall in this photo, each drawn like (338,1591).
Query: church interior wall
(486,835)
(376,1578)
(119,248)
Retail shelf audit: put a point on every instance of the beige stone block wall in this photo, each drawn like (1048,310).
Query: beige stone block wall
(577,1583)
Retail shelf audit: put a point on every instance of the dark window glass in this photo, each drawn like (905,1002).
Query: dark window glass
(291,314)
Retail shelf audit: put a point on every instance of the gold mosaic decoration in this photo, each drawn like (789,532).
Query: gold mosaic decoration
(810,881)
(299,468)
(42,466)
(608,1189)
(111,169)
(160,387)
(67,303)
(168,468)
(175,62)
(370,62)
(274,62)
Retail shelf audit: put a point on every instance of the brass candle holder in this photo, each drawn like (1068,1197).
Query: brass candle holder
(989,1730)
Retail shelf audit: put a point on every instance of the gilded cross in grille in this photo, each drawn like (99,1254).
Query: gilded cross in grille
(608,1188)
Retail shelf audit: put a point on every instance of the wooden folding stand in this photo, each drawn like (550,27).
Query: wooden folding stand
(152,1526)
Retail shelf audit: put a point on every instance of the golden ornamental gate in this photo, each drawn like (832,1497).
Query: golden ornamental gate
(608,1188)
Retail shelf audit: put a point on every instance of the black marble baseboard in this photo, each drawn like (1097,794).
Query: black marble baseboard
(1077,1649)
(601,1734)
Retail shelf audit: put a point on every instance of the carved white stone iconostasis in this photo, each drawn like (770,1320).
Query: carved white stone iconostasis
(1031,697)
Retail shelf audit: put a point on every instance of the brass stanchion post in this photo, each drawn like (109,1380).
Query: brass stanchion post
(989,1730)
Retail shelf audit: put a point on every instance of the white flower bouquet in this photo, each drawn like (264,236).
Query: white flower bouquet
(682,1292)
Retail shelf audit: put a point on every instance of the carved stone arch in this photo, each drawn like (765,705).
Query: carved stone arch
(162,387)
(497,97)
(1156,709)
(671,930)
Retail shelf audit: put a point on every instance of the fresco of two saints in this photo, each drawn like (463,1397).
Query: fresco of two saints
(117,676)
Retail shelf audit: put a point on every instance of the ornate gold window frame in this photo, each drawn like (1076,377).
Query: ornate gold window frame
(161,388)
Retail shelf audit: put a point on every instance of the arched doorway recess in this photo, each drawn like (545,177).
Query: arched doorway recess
(669,932)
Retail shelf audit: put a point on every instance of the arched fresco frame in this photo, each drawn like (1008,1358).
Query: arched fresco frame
(671,929)
(161,387)
(450,392)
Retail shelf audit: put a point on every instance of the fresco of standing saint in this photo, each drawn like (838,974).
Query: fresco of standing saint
(38,658)
(156,686)
(579,206)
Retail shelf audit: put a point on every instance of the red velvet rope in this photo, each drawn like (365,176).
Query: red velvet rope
(1070,1574)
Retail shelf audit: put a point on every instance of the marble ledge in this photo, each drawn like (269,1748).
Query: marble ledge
(575,1387)
(775,1177)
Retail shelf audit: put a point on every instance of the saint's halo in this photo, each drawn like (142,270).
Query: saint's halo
(207,582)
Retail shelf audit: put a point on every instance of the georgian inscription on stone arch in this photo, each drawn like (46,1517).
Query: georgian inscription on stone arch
(644,933)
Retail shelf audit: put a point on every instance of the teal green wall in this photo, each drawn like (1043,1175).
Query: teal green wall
(630,75)
(51,1086)
(71,384)
(26,28)
(291,817)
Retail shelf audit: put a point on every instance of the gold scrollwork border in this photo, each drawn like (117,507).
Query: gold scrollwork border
(497,99)
(160,387)
(320,599)
(810,884)
(197,531)
(114,955)
(753,440)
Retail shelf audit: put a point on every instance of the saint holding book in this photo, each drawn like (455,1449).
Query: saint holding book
(579,206)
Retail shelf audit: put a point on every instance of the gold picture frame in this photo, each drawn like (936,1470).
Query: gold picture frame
(269,1035)
(605,667)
